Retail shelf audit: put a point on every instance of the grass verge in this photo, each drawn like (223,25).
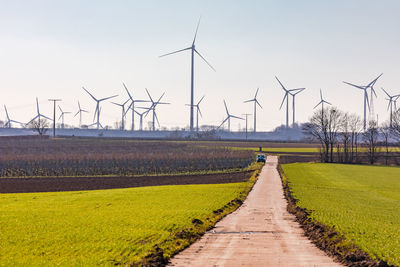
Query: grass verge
(136,226)
(328,236)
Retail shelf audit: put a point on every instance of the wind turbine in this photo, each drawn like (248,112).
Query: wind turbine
(228,118)
(286,97)
(132,106)
(39,115)
(255,109)
(97,107)
(147,110)
(80,110)
(390,105)
(123,113)
(9,121)
(293,99)
(193,50)
(62,116)
(322,103)
(198,111)
(366,101)
(153,108)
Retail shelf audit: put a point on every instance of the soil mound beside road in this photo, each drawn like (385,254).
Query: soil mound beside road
(55,184)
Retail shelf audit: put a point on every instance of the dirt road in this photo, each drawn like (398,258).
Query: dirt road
(260,233)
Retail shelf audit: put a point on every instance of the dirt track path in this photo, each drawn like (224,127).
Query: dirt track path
(260,233)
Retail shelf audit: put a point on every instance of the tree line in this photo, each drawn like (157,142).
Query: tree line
(343,139)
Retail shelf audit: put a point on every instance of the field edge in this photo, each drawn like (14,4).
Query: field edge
(164,251)
(324,237)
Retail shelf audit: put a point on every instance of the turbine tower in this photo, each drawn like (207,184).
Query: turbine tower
(198,111)
(62,116)
(255,109)
(228,118)
(97,107)
(123,113)
(193,50)
(293,94)
(366,101)
(80,110)
(153,108)
(132,106)
(392,100)
(322,103)
(39,115)
(9,121)
(286,97)
(147,110)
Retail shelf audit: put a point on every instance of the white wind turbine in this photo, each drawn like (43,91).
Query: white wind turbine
(80,110)
(366,101)
(193,50)
(9,121)
(62,116)
(198,111)
(255,109)
(132,106)
(123,113)
(39,115)
(153,108)
(97,107)
(392,100)
(322,103)
(228,118)
(292,92)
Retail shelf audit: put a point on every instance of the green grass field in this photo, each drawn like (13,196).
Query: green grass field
(106,227)
(361,202)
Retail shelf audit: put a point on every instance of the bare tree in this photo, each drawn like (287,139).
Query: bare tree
(324,127)
(355,125)
(345,139)
(386,133)
(396,124)
(370,137)
(40,127)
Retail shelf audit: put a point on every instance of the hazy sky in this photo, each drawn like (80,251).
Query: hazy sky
(50,49)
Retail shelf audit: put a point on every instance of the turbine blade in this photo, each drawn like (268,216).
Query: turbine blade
(79,105)
(320,93)
(89,93)
(374,81)
(197,28)
(151,99)
(198,103)
(236,117)
(204,60)
(176,52)
(385,92)
(390,101)
(76,114)
(223,122)
(327,102)
(198,108)
(37,105)
(258,103)
(155,115)
(127,91)
(283,100)
(256,93)
(283,87)
(226,108)
(108,98)
(357,86)
(247,101)
(319,103)
(60,108)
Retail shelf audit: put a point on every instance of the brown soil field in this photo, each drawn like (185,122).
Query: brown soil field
(55,184)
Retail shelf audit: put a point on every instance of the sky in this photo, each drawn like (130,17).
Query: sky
(50,49)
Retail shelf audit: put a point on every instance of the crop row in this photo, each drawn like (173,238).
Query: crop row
(69,158)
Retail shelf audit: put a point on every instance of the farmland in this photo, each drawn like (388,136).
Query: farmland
(84,157)
(360,202)
(107,227)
